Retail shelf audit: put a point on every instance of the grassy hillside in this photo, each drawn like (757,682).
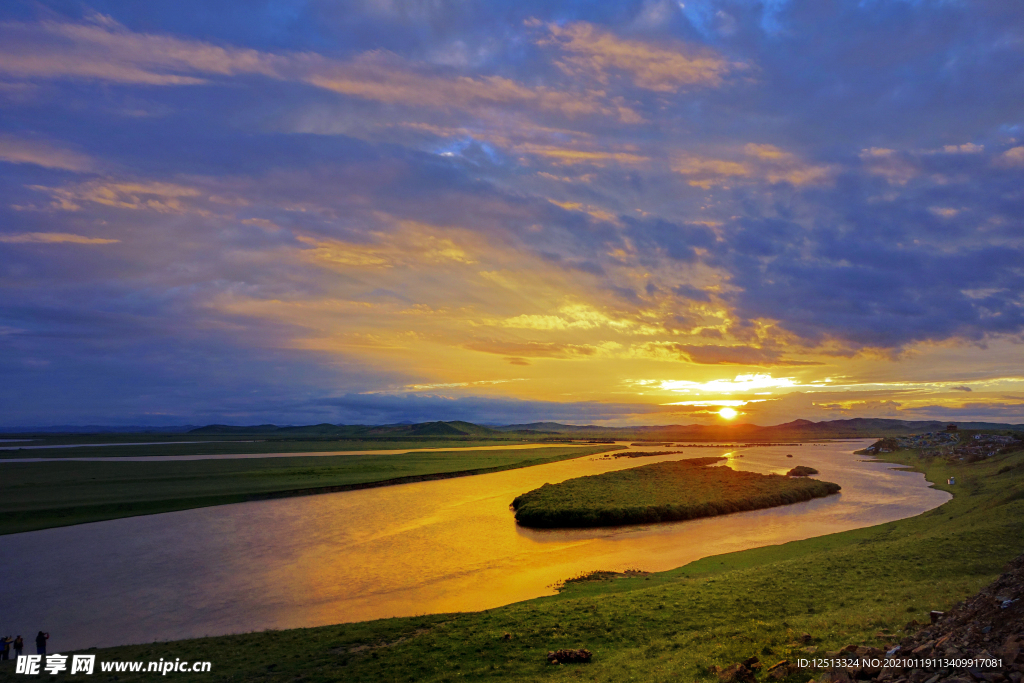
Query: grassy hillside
(661,492)
(48,494)
(853,587)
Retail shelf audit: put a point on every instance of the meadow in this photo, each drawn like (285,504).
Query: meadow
(661,492)
(40,495)
(224,446)
(860,586)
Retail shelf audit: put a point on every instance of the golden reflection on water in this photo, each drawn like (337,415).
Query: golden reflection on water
(438,546)
(454,546)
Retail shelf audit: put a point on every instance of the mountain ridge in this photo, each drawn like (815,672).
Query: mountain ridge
(799,429)
(796,429)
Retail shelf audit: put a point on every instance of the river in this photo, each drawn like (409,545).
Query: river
(435,546)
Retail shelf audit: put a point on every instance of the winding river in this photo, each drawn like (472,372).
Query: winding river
(435,546)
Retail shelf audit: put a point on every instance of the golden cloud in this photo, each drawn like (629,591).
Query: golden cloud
(597,213)
(102,49)
(580,317)
(384,77)
(412,243)
(21,151)
(589,50)
(569,156)
(160,197)
(753,162)
(712,354)
(1012,157)
(532,349)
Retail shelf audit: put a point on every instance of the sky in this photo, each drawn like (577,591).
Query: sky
(642,212)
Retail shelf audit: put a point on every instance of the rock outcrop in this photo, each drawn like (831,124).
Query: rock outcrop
(580,656)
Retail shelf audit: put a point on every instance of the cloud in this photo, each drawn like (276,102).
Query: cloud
(161,197)
(54,238)
(719,355)
(896,168)
(567,156)
(876,274)
(530,349)
(431,195)
(386,78)
(407,246)
(1013,158)
(579,317)
(103,49)
(752,163)
(744,382)
(1011,410)
(590,51)
(732,403)
(18,150)
(967,148)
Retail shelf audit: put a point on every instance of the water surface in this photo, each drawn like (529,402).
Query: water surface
(436,546)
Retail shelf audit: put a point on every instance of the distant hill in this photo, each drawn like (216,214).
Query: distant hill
(795,430)
(442,429)
(556,428)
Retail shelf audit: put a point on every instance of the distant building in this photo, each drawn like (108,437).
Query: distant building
(950,428)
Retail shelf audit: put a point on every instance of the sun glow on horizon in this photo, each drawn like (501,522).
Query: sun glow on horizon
(728,413)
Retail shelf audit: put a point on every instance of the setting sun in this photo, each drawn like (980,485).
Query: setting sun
(728,413)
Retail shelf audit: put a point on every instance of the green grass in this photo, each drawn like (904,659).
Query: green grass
(843,588)
(48,494)
(218,446)
(661,492)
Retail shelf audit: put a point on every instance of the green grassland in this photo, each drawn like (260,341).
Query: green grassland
(222,447)
(295,438)
(661,492)
(47,494)
(854,587)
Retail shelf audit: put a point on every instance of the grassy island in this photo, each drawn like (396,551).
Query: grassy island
(662,492)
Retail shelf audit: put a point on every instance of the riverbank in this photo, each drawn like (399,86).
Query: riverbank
(661,492)
(856,586)
(44,495)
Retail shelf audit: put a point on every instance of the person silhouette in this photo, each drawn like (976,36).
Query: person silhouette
(19,645)
(41,643)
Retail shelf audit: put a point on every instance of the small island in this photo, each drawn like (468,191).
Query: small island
(661,492)
(801,471)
